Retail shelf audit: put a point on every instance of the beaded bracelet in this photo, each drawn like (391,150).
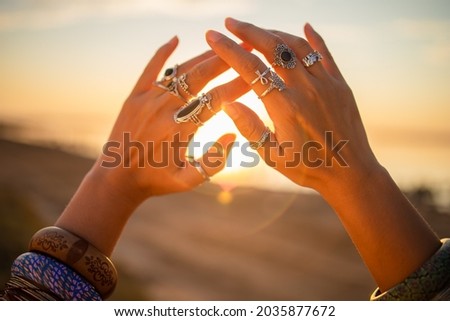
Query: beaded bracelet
(78,254)
(54,276)
(425,283)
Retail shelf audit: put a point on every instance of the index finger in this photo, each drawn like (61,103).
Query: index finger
(246,64)
(155,65)
(250,68)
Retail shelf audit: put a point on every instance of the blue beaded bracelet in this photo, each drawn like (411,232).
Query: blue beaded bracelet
(55,276)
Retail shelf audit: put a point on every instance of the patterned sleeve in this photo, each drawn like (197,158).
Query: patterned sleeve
(430,282)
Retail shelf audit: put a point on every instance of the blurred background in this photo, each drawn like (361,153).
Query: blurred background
(67,66)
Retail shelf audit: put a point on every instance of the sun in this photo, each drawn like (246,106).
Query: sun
(220,124)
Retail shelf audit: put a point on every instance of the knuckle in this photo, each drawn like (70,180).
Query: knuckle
(246,27)
(198,72)
(302,45)
(251,130)
(251,65)
(272,41)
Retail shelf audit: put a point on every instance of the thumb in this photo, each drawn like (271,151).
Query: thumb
(213,161)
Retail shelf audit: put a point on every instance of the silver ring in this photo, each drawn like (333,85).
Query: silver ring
(198,166)
(196,121)
(171,88)
(275,82)
(182,82)
(169,74)
(262,140)
(311,58)
(284,57)
(169,82)
(206,100)
(191,110)
(261,77)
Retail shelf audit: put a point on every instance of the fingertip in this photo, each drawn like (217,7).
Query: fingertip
(172,43)
(174,40)
(230,22)
(227,139)
(213,36)
(310,32)
(308,29)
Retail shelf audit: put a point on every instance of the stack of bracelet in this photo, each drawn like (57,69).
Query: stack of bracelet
(61,266)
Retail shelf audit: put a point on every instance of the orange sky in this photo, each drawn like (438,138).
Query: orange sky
(68,68)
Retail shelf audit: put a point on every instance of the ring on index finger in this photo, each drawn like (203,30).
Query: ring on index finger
(269,77)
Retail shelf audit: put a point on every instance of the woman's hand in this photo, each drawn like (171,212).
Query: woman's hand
(318,132)
(319,141)
(145,154)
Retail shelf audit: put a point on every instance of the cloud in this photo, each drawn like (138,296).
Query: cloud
(44,14)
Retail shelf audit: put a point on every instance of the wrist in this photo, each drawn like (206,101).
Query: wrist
(99,209)
(390,235)
(349,181)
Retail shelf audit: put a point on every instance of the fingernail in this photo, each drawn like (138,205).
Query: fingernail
(213,36)
(231,21)
(308,25)
(173,40)
(228,141)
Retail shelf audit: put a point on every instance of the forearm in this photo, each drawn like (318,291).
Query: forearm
(98,211)
(390,235)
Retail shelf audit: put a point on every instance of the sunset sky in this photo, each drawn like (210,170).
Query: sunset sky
(67,66)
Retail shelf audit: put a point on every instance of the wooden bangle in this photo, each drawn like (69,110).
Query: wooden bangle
(78,254)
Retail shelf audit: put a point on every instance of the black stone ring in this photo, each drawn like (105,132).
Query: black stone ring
(169,74)
(284,57)
(191,110)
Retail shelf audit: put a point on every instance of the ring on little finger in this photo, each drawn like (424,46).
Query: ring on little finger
(311,58)
(198,166)
(262,140)
(284,57)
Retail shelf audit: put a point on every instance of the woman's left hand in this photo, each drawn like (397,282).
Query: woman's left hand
(145,154)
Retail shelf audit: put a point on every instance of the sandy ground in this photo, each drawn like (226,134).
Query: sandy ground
(261,246)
